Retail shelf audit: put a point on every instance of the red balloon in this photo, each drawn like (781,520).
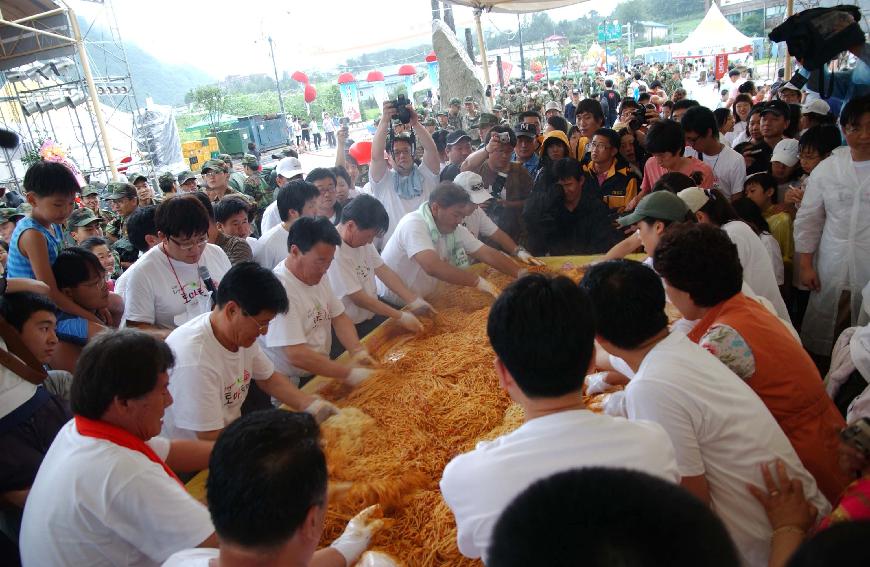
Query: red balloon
(361,152)
(300,77)
(431,57)
(310,94)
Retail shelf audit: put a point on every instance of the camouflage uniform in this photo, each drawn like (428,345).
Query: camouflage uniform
(117,227)
(106,216)
(514,107)
(255,186)
(454,121)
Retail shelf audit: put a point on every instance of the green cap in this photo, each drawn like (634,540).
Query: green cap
(8,214)
(455,100)
(469,99)
(215,164)
(251,161)
(487,119)
(185,176)
(167,177)
(662,205)
(82,217)
(90,189)
(497,108)
(120,190)
(429,122)
(441,113)
(225,157)
(134,177)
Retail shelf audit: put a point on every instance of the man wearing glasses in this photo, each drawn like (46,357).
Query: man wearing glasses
(216,177)
(124,202)
(166,288)
(608,173)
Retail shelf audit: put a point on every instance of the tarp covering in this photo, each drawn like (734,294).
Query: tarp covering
(158,137)
(714,35)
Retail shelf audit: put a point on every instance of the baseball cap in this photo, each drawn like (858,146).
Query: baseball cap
(469,99)
(289,167)
(662,205)
(789,87)
(817,106)
(82,217)
(575,91)
(8,214)
(90,189)
(473,184)
(487,119)
(527,130)
(553,105)
(777,107)
(120,190)
(215,164)
(134,177)
(457,136)
(166,176)
(251,161)
(455,100)
(225,157)
(786,152)
(185,176)
(693,197)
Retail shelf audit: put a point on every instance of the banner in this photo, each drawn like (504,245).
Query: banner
(721,66)
(350,101)
(379,91)
(433,76)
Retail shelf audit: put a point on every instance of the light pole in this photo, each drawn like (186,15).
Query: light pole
(277,82)
(522,55)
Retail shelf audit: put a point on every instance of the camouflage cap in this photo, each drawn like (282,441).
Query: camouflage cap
(429,122)
(469,99)
(497,108)
(8,215)
(215,164)
(455,101)
(120,190)
(82,217)
(250,160)
(166,176)
(487,119)
(441,113)
(134,177)
(185,176)
(225,157)
(90,189)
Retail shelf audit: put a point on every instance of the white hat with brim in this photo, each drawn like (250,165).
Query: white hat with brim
(786,152)
(473,185)
(288,167)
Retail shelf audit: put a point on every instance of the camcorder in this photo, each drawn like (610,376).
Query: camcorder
(502,137)
(403,115)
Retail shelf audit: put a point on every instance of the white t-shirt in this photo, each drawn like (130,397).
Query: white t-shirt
(479,485)
(96,503)
(307,322)
(352,270)
(729,170)
(479,224)
(272,248)
(153,295)
(253,243)
(412,237)
(208,383)
(14,390)
(192,558)
(757,267)
(385,192)
(271,218)
(775,252)
(721,429)
(121,282)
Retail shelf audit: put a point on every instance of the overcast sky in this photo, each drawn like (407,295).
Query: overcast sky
(224,37)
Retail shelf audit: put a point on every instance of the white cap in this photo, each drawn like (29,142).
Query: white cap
(289,167)
(817,106)
(553,105)
(790,87)
(694,198)
(473,185)
(786,152)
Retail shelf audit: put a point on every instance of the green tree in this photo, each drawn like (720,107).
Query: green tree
(752,24)
(212,100)
(631,11)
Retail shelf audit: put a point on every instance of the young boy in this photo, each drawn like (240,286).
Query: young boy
(760,188)
(108,258)
(38,239)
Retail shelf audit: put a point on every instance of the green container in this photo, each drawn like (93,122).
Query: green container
(231,141)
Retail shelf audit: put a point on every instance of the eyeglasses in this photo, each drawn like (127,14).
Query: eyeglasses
(598,145)
(187,247)
(262,327)
(401,153)
(212,173)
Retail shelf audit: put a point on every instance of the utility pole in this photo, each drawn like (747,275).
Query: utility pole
(522,56)
(605,45)
(277,82)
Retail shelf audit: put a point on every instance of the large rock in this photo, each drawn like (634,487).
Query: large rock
(458,76)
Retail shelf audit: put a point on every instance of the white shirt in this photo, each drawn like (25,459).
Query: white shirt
(308,321)
(14,390)
(721,429)
(153,294)
(208,382)
(479,224)
(253,243)
(272,248)
(729,170)
(192,558)
(479,485)
(121,282)
(96,503)
(775,256)
(385,192)
(271,217)
(412,237)
(757,267)
(352,270)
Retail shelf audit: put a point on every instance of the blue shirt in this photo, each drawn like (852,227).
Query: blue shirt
(18,265)
(532,164)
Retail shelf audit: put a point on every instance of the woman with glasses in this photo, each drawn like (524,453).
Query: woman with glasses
(166,286)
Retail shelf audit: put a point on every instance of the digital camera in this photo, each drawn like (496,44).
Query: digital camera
(403,115)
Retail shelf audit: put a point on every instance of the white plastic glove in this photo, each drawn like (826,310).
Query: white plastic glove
(409,322)
(362,357)
(487,287)
(358,375)
(376,559)
(321,410)
(527,258)
(615,405)
(358,534)
(595,384)
(420,306)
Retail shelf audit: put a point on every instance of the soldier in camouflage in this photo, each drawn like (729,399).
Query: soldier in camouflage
(237,179)
(499,111)
(470,120)
(255,186)
(514,106)
(167,183)
(454,117)
(91,200)
(124,202)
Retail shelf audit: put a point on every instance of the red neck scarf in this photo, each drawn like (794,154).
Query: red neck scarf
(118,436)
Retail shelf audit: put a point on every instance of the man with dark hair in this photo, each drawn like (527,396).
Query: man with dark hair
(613,100)
(138,512)
(570,220)
(721,430)
(586,512)
(608,173)
(288,169)
(680,107)
(590,119)
(167,183)
(124,202)
(267,498)
(357,263)
(236,249)
(232,217)
(571,107)
(702,135)
(299,341)
(774,122)
(218,361)
(526,150)
(542,332)
(143,235)
(458,148)
(327,205)
(509,182)
(666,144)
(733,86)
(404,186)
(295,200)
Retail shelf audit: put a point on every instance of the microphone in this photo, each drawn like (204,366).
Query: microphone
(8,139)
(205,276)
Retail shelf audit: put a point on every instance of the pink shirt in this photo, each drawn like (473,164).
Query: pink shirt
(652,171)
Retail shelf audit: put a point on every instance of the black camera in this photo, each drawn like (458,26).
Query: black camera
(403,115)
(638,119)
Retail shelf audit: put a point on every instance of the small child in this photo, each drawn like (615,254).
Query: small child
(108,258)
(38,239)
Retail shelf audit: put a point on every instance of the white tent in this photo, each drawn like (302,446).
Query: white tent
(714,35)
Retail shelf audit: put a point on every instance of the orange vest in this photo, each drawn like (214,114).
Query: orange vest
(790,386)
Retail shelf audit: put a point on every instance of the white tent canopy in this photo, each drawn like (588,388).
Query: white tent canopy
(713,36)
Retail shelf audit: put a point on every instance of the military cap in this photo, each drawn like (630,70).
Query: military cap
(185,175)
(134,177)
(82,217)
(487,119)
(225,157)
(497,108)
(23,210)
(120,190)
(8,214)
(215,164)
(90,189)
(469,100)
(455,101)
(251,161)
(167,177)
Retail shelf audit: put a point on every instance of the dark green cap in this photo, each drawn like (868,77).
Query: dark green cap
(469,99)
(90,189)
(455,100)
(662,205)
(185,175)
(215,164)
(487,119)
(251,161)
(82,217)
(225,157)
(134,177)
(120,190)
(8,214)
(166,177)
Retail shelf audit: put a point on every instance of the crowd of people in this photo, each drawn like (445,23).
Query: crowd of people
(152,341)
